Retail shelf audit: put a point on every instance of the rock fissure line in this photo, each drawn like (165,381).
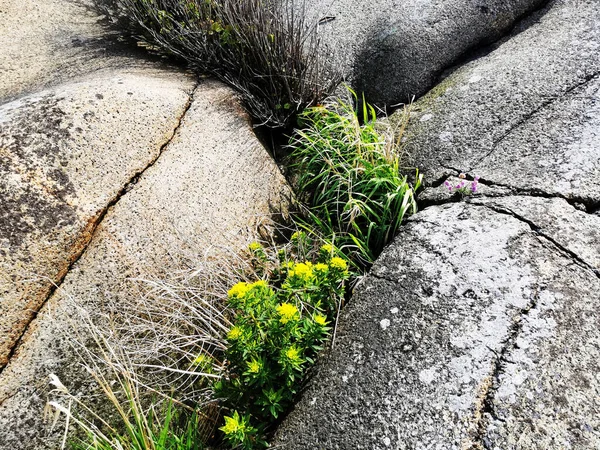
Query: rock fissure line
(441,179)
(590,205)
(95,222)
(382,278)
(486,408)
(538,230)
(531,114)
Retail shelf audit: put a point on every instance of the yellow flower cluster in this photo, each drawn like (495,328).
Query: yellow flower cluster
(259,283)
(302,270)
(292,354)
(201,360)
(297,235)
(288,312)
(320,319)
(232,425)
(254,366)
(338,263)
(234,333)
(320,267)
(239,290)
(327,248)
(254,246)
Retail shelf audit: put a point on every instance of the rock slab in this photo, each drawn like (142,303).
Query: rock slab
(478,326)
(527,115)
(472,331)
(393,50)
(213,187)
(65,155)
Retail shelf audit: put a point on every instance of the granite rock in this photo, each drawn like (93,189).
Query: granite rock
(212,190)
(472,331)
(65,154)
(393,50)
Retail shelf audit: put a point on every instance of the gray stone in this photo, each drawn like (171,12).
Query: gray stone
(527,115)
(65,154)
(45,42)
(574,230)
(210,192)
(396,49)
(472,331)
(478,327)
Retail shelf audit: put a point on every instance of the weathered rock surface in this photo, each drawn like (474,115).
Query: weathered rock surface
(213,185)
(47,41)
(66,154)
(395,49)
(472,331)
(527,115)
(109,169)
(478,327)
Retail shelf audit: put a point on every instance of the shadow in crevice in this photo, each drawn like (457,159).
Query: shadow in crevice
(396,64)
(120,36)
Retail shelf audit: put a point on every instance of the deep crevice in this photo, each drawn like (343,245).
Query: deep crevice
(442,178)
(94,226)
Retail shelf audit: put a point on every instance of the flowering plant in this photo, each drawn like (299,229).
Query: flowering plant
(278,328)
(463,187)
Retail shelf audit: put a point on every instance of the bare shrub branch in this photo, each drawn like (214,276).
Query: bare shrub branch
(262,48)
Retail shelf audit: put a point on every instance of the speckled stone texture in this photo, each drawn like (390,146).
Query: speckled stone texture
(45,42)
(527,115)
(213,187)
(112,167)
(477,328)
(395,49)
(65,154)
(472,331)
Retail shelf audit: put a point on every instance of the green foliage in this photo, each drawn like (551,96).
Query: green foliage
(262,48)
(348,167)
(173,431)
(279,327)
(130,426)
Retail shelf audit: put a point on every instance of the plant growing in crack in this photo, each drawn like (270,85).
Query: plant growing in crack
(463,187)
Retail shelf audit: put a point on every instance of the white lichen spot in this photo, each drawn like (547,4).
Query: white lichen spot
(426,117)
(384,324)
(345,378)
(446,136)
(387,441)
(313,401)
(475,79)
(427,376)
(394,310)
(459,402)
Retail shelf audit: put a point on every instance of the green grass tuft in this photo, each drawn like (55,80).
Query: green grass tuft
(348,167)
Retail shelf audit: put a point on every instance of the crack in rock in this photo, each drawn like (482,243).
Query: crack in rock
(484,409)
(538,230)
(587,205)
(93,224)
(530,115)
